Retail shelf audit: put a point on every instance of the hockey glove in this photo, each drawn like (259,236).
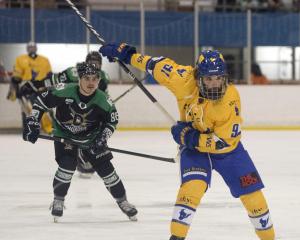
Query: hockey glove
(100,142)
(184,134)
(98,146)
(31,129)
(26,90)
(122,51)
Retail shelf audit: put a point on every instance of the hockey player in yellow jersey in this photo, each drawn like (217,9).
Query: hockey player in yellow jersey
(29,70)
(208,133)
(31,66)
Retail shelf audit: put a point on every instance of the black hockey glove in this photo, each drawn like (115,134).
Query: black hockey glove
(98,146)
(31,129)
(100,142)
(26,90)
(16,80)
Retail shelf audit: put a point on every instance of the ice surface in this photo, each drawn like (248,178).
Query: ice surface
(26,192)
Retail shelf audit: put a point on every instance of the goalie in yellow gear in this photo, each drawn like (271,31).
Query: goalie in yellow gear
(29,71)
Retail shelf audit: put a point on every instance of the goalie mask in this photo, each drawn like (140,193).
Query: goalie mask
(94,58)
(31,49)
(211,75)
(84,68)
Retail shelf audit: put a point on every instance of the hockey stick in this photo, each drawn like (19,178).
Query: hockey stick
(25,106)
(84,146)
(124,93)
(123,66)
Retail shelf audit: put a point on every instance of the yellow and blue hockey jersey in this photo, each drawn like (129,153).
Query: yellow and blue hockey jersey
(219,121)
(29,69)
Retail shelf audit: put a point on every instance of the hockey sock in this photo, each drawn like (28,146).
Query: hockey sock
(62,181)
(111,180)
(115,186)
(188,198)
(259,214)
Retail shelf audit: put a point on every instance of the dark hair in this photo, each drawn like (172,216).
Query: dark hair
(94,56)
(255,69)
(85,68)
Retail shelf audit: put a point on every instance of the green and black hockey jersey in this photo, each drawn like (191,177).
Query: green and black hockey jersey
(76,116)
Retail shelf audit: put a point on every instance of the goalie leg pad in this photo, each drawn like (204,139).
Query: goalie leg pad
(259,214)
(188,199)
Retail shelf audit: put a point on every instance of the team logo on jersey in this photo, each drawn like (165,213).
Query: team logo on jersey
(250,179)
(77,119)
(82,105)
(78,122)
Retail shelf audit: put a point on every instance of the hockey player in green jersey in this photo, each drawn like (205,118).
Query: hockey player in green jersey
(70,75)
(84,114)
(208,133)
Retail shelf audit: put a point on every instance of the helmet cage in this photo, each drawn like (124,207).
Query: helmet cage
(215,93)
(211,63)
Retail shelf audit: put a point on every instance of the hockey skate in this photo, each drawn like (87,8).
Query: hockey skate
(175,238)
(57,208)
(128,209)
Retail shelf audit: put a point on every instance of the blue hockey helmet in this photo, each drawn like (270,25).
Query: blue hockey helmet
(211,63)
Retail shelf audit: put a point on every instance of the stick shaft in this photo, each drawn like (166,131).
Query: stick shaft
(124,93)
(123,66)
(68,141)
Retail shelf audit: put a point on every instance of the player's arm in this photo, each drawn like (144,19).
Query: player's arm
(27,88)
(45,70)
(31,125)
(164,70)
(224,138)
(18,69)
(108,127)
(67,76)
(111,119)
